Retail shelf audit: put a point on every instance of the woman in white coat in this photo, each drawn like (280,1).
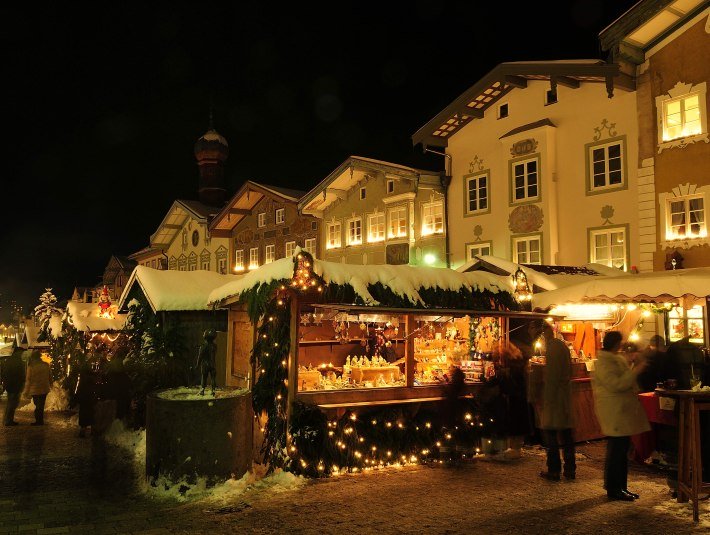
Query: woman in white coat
(619,412)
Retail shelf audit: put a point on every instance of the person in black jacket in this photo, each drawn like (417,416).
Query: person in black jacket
(86,395)
(13,379)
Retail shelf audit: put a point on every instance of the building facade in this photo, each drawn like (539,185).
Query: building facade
(261,223)
(375,212)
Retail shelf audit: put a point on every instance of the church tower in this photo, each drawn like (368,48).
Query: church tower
(211,151)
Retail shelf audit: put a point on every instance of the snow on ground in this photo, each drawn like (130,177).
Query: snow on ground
(57,400)
(682,511)
(192,393)
(133,443)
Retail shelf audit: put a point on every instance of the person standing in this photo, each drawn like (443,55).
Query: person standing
(620,414)
(38,384)
(556,419)
(85,396)
(13,378)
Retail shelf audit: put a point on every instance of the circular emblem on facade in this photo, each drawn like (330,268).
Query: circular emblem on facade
(524,219)
(195,238)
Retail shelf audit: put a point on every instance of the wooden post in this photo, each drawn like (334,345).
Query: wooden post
(409,350)
(292,357)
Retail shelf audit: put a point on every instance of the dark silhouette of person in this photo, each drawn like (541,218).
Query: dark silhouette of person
(206,360)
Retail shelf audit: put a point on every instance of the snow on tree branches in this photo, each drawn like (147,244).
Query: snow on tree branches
(44,311)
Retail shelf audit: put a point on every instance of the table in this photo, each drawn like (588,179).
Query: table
(690,468)
(645,443)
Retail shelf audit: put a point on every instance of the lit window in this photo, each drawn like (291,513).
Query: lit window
(280,216)
(476,193)
(355,231)
(310,246)
(261,220)
(525,180)
(608,247)
(478,249)
(290,248)
(527,250)
(606,166)
(681,117)
(432,218)
(687,322)
(253,258)
(685,218)
(398,222)
(376,227)
(390,186)
(333,236)
(269,254)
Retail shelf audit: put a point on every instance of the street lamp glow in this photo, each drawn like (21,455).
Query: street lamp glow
(429,259)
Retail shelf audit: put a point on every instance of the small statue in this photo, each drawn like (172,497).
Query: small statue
(206,360)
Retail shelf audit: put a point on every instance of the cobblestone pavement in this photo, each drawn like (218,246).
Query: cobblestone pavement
(53,482)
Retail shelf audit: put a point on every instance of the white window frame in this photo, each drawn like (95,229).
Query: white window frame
(363,194)
(253,258)
(679,93)
(607,178)
(269,253)
(527,240)
(354,232)
(433,217)
(398,214)
(685,199)
(334,235)
(239,260)
(467,193)
(526,180)
(310,246)
(261,219)
(376,227)
(280,217)
(609,232)
(289,245)
(222,266)
(476,249)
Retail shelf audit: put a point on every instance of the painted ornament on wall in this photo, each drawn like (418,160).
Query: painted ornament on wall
(476,164)
(478,232)
(607,212)
(523,147)
(524,219)
(244,237)
(605,126)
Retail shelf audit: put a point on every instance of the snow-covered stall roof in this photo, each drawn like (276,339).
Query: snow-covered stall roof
(653,286)
(402,280)
(28,338)
(546,280)
(86,317)
(170,290)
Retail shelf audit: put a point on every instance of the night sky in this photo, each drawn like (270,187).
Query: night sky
(102,108)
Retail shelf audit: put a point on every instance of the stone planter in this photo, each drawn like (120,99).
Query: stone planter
(188,435)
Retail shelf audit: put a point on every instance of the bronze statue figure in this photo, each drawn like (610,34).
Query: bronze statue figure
(206,360)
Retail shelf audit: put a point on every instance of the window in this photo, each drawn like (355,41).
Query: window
(222,265)
(476,193)
(333,236)
(355,231)
(527,250)
(684,322)
(432,218)
(205,260)
(606,165)
(290,248)
(686,217)
(503,111)
(205,265)
(280,216)
(398,222)
(608,247)
(314,225)
(182,262)
(192,262)
(261,220)
(390,186)
(681,117)
(376,227)
(239,260)
(310,246)
(363,193)
(478,249)
(550,96)
(253,258)
(269,254)
(525,180)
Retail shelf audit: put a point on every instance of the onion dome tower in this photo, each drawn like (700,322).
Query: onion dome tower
(211,151)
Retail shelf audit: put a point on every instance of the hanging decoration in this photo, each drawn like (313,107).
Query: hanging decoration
(521,289)
(105,304)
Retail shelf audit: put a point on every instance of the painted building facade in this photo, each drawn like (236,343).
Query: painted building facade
(542,165)
(375,212)
(261,223)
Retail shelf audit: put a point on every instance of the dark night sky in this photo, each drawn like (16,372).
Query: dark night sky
(102,108)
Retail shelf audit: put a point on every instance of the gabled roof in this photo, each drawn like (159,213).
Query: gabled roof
(85,317)
(175,219)
(146,251)
(477,99)
(350,173)
(243,202)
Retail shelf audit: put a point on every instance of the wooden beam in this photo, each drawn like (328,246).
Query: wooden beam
(567,82)
(176,227)
(239,211)
(515,81)
(339,193)
(435,141)
(471,112)
(625,82)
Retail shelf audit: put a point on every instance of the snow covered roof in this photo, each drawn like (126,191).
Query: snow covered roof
(175,290)
(85,317)
(404,281)
(653,286)
(537,276)
(28,338)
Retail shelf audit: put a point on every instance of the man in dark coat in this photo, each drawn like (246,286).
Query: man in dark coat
(13,379)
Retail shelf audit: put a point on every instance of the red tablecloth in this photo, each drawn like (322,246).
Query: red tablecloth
(645,443)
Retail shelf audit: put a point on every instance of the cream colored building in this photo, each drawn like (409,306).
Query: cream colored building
(543,165)
(377,212)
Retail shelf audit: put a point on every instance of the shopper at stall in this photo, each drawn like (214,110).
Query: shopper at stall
(37,384)
(619,412)
(12,373)
(556,418)
(86,395)
(658,367)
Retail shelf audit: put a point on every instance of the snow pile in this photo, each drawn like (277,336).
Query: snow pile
(192,393)
(132,442)
(175,290)
(403,280)
(684,512)
(57,400)
(85,317)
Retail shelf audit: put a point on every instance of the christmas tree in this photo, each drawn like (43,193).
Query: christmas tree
(44,311)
